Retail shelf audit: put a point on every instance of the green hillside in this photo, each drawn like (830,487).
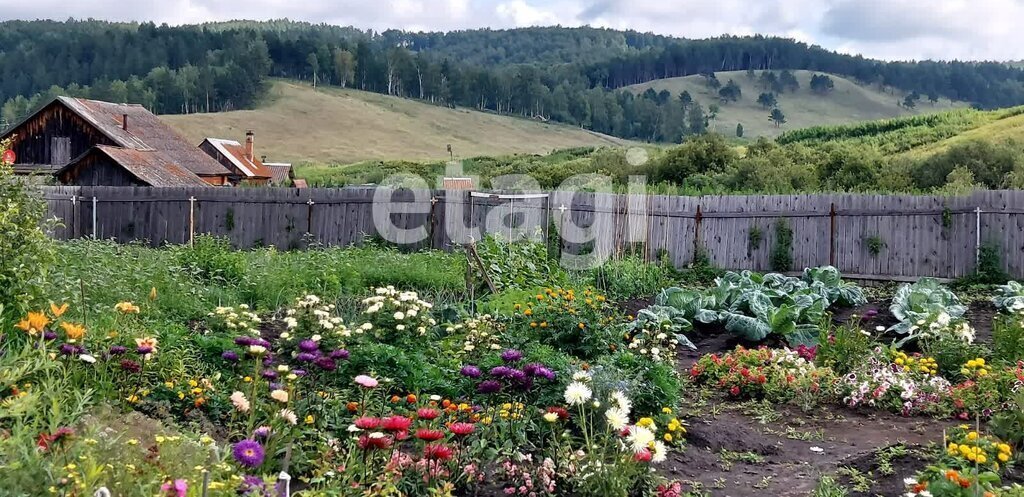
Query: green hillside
(332,125)
(848,102)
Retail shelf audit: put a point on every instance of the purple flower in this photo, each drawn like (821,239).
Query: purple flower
(305,357)
(118,350)
(251,485)
(488,387)
(308,346)
(68,349)
(248,453)
(229,355)
(516,374)
(244,341)
(49,335)
(262,343)
(261,432)
(339,354)
(325,363)
(501,371)
(543,372)
(268,360)
(144,349)
(299,372)
(470,371)
(511,355)
(269,374)
(531,368)
(130,366)
(525,383)
(870,313)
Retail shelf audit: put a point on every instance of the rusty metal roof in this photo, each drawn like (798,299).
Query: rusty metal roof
(145,132)
(280,172)
(148,166)
(235,152)
(451,183)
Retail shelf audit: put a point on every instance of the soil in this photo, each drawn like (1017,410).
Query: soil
(737,450)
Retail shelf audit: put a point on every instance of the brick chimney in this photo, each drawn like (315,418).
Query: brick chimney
(124,122)
(249,139)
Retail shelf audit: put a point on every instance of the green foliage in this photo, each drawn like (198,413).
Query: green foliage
(25,252)
(989,270)
(519,264)
(988,163)
(874,244)
(846,347)
(754,238)
(782,250)
(211,258)
(828,487)
(951,354)
(706,154)
(630,277)
(1008,338)
(922,300)
(650,385)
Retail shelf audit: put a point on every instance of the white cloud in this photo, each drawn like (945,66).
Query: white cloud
(890,29)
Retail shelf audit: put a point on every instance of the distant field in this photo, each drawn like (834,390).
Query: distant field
(331,125)
(847,103)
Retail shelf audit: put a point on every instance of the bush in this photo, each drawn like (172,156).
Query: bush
(521,264)
(845,347)
(1008,338)
(630,277)
(211,258)
(650,385)
(951,354)
(25,252)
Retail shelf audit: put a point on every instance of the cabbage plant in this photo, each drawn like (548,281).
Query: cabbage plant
(923,301)
(1010,297)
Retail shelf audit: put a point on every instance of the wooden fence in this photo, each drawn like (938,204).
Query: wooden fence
(872,236)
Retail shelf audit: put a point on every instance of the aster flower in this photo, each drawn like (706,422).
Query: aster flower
(280,396)
(427,413)
(261,432)
(251,485)
(577,393)
(365,381)
(240,402)
(461,429)
(248,453)
(617,418)
(230,356)
(375,440)
(659,453)
(339,354)
(308,346)
(640,438)
(325,363)
(511,355)
(470,371)
(130,366)
(244,341)
(367,423)
(429,435)
(305,357)
(488,387)
(289,416)
(396,423)
(561,412)
(49,335)
(501,371)
(177,488)
(269,374)
(437,452)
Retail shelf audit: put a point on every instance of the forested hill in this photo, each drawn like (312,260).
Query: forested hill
(571,75)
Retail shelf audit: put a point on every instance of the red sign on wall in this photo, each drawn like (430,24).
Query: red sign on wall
(8,157)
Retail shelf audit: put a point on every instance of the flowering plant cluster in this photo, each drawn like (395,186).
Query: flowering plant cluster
(477,336)
(657,340)
(967,447)
(234,319)
(763,373)
(393,314)
(310,315)
(575,322)
(883,382)
(938,325)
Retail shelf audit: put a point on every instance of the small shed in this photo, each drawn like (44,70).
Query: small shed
(104,165)
(239,159)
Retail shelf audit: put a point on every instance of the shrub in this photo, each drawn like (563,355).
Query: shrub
(522,264)
(1008,338)
(844,348)
(951,354)
(575,322)
(25,252)
(630,277)
(651,385)
(211,258)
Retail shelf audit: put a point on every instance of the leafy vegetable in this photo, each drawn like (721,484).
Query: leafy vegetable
(1010,297)
(922,301)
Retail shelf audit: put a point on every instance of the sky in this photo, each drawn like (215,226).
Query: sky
(883,29)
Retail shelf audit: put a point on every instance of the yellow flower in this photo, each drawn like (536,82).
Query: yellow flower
(280,396)
(126,308)
(247,379)
(972,436)
(132,441)
(1003,457)
(160,439)
(668,437)
(58,311)
(550,417)
(73,331)
(309,419)
(152,294)
(1004,448)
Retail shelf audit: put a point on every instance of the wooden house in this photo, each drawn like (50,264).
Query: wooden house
(128,140)
(239,159)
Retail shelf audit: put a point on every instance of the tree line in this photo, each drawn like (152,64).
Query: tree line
(569,75)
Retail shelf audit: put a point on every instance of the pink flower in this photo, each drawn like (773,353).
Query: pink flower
(178,488)
(365,381)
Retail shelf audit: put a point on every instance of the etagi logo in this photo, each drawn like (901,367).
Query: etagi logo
(585,211)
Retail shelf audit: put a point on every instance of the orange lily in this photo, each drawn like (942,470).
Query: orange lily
(73,331)
(58,311)
(34,323)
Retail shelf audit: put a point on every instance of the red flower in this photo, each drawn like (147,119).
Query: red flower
(374,442)
(43,442)
(762,379)
(694,371)
(562,413)
(744,372)
(395,423)
(429,435)
(427,413)
(735,391)
(367,423)
(643,456)
(437,452)
(462,429)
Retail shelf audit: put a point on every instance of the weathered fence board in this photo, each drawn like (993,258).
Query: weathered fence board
(913,235)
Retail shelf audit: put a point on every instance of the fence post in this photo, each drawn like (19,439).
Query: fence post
(74,216)
(191,220)
(696,233)
(94,220)
(977,237)
(832,236)
(309,217)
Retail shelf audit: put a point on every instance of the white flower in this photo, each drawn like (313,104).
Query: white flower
(240,402)
(617,418)
(289,416)
(399,316)
(400,327)
(87,358)
(660,452)
(581,376)
(879,328)
(622,401)
(910,481)
(640,438)
(577,393)
(316,338)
